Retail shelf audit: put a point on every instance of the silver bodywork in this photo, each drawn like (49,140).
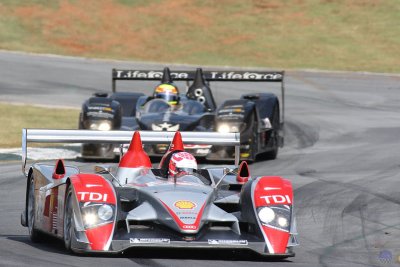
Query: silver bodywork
(151,210)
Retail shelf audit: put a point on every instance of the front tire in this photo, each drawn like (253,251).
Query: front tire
(69,223)
(270,155)
(253,146)
(34,234)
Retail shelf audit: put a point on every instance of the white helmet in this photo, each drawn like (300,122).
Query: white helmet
(182,163)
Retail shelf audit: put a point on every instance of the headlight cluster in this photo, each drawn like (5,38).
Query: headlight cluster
(275,216)
(231,127)
(96,214)
(100,125)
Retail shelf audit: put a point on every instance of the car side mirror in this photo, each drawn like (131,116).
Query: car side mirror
(243,174)
(266,124)
(102,169)
(59,170)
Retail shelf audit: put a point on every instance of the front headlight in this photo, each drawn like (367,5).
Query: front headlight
(224,128)
(266,214)
(283,222)
(89,219)
(105,126)
(231,127)
(277,216)
(96,214)
(101,126)
(105,212)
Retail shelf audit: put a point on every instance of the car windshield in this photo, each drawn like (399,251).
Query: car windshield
(153,177)
(194,178)
(157,106)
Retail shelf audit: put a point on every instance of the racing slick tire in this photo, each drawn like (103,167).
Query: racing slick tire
(69,222)
(270,155)
(35,235)
(253,146)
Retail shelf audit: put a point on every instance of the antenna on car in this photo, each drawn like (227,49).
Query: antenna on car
(103,169)
(226,172)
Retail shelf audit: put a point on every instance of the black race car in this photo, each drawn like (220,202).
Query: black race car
(258,117)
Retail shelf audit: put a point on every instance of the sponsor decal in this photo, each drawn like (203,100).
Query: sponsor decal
(202,151)
(94,185)
(185,205)
(227,242)
(245,75)
(92,196)
(187,217)
(189,227)
(271,188)
(100,115)
(233,109)
(132,74)
(277,199)
(106,109)
(231,116)
(213,75)
(149,240)
(196,146)
(165,127)
(186,212)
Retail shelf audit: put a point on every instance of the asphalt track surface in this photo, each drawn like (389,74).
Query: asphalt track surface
(342,154)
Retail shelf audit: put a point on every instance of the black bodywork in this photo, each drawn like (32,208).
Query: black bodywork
(258,117)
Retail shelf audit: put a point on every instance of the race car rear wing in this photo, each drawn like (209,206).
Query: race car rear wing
(214,75)
(124,137)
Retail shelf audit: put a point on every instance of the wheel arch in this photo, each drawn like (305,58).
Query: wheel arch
(24,221)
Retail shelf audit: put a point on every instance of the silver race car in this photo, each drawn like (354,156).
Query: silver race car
(139,205)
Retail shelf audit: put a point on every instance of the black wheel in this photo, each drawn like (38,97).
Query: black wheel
(254,141)
(69,223)
(253,146)
(274,138)
(34,234)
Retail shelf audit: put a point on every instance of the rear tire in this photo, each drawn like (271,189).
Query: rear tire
(69,223)
(34,234)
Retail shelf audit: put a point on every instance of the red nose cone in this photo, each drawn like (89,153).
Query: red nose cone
(136,143)
(135,156)
(176,143)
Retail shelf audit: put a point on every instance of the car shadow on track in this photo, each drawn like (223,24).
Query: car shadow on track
(142,255)
(139,255)
(51,244)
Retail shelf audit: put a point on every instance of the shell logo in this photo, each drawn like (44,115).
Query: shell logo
(185,204)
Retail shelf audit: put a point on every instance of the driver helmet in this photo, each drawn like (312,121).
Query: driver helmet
(168,92)
(182,163)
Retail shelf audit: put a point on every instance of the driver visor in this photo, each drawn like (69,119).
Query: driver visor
(169,97)
(185,170)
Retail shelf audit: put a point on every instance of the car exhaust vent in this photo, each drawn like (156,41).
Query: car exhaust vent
(133,225)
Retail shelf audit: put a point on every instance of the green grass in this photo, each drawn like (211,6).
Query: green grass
(40,118)
(358,35)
